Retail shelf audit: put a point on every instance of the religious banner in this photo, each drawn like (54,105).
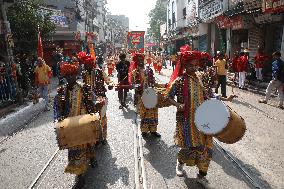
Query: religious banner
(135,41)
(272,6)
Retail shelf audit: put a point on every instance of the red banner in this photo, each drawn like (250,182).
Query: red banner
(135,40)
(39,46)
(271,6)
(235,22)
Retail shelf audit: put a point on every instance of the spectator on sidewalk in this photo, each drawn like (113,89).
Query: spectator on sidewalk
(259,64)
(221,66)
(242,68)
(43,74)
(235,63)
(277,81)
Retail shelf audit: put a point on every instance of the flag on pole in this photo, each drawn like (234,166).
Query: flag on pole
(92,52)
(39,46)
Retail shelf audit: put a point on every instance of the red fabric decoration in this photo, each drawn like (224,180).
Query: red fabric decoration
(39,46)
(81,55)
(133,66)
(68,69)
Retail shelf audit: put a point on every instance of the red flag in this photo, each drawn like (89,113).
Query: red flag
(39,46)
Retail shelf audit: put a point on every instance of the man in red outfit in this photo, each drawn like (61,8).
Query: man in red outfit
(242,68)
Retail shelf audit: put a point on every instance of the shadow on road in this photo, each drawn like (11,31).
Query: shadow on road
(235,172)
(3,150)
(248,105)
(128,113)
(163,158)
(107,173)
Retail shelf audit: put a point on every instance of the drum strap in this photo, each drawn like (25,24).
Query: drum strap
(186,97)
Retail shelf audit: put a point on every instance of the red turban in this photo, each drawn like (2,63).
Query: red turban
(81,55)
(68,69)
(190,55)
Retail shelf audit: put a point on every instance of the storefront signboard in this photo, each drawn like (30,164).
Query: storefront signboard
(272,6)
(268,18)
(211,10)
(250,5)
(235,22)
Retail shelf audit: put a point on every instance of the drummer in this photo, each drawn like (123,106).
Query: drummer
(191,88)
(144,78)
(71,101)
(96,78)
(186,85)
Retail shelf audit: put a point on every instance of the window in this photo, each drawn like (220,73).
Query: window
(184,13)
(174,18)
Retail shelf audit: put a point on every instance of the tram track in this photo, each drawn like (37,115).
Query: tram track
(140,171)
(241,169)
(44,171)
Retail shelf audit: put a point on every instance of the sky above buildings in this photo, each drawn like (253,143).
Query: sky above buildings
(135,10)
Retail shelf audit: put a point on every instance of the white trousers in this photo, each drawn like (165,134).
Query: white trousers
(275,84)
(258,73)
(242,79)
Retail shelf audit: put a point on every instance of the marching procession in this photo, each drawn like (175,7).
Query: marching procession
(80,107)
(165,94)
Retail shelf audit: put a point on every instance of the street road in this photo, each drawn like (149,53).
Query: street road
(121,165)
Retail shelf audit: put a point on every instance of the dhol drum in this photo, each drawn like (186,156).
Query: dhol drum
(149,98)
(78,130)
(215,118)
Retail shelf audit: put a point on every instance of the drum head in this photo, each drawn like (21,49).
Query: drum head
(104,108)
(211,117)
(149,98)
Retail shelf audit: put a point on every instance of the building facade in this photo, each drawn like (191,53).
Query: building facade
(226,25)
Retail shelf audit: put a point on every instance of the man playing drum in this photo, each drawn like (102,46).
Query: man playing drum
(144,79)
(72,100)
(196,148)
(190,89)
(96,78)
